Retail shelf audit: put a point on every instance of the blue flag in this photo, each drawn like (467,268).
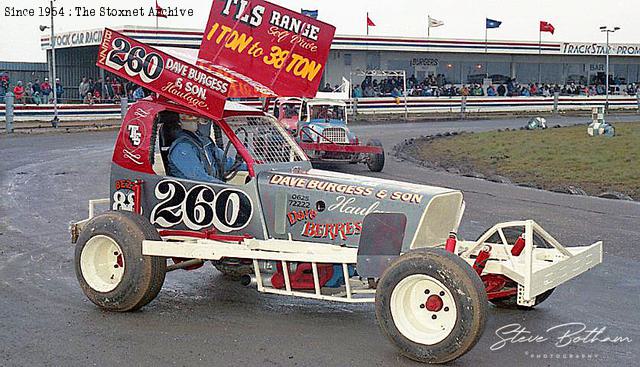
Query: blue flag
(310,13)
(493,23)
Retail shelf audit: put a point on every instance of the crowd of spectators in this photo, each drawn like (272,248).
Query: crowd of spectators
(34,92)
(438,86)
(109,90)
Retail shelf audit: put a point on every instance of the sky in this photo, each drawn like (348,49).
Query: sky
(574,20)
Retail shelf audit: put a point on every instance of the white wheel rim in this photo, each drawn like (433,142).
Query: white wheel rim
(412,317)
(102,263)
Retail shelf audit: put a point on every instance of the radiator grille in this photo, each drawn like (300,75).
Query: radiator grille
(334,134)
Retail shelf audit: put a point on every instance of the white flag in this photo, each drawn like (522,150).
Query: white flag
(435,23)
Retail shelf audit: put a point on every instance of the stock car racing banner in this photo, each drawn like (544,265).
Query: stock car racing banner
(278,48)
(180,81)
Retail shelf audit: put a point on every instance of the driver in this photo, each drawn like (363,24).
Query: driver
(193,155)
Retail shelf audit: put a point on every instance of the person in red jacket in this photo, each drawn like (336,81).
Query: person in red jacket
(46,90)
(18,92)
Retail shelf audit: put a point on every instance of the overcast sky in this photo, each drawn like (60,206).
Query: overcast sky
(574,20)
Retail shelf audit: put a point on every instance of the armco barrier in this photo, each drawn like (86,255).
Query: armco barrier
(490,104)
(75,112)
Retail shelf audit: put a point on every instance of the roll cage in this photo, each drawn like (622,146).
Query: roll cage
(255,136)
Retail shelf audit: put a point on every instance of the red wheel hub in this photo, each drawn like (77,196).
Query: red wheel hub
(434,303)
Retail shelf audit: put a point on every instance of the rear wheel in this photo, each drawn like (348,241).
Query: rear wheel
(375,162)
(109,264)
(431,305)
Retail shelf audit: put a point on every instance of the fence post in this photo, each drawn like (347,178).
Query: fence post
(556,101)
(463,106)
(8,112)
(354,106)
(124,104)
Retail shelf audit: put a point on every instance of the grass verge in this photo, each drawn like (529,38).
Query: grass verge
(550,159)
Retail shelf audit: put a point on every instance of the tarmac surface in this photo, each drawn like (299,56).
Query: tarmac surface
(202,318)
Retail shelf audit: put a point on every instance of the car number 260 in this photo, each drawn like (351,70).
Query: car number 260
(200,207)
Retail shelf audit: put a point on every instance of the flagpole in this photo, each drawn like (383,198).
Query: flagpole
(485,36)
(428,26)
(486,49)
(367,23)
(539,54)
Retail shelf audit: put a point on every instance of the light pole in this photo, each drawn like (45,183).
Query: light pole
(55,120)
(607,30)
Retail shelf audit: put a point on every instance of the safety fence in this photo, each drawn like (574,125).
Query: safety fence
(363,106)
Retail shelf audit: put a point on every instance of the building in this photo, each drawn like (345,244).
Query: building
(456,61)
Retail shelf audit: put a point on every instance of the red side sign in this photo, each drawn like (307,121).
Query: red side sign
(279,48)
(186,84)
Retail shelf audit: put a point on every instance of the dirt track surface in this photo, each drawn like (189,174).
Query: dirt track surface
(200,318)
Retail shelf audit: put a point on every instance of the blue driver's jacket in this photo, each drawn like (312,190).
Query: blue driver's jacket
(195,157)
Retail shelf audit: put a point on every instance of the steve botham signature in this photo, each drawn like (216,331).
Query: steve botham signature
(562,335)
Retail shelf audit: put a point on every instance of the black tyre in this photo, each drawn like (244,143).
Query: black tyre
(511,234)
(109,263)
(511,302)
(431,305)
(375,162)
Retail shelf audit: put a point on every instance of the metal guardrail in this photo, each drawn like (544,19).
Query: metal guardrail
(14,113)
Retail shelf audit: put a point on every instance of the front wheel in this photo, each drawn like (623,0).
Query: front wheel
(109,264)
(375,162)
(431,305)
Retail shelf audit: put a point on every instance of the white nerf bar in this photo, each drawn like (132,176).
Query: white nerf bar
(284,251)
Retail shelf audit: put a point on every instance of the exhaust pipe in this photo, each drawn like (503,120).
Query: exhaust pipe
(249,280)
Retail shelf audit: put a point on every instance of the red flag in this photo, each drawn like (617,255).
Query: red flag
(370,22)
(546,27)
(160,11)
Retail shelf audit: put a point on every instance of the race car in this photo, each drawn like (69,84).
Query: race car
(320,128)
(287,228)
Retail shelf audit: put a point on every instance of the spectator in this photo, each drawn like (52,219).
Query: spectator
(88,98)
(28,93)
(18,92)
(138,93)
(45,87)
(107,89)
(59,90)
(491,91)
(357,92)
(35,87)
(83,88)
(96,89)
(502,91)
(326,88)
(117,88)
(4,85)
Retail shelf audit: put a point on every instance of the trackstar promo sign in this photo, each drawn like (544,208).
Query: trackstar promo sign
(279,48)
(164,74)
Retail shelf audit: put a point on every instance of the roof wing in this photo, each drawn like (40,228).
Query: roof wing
(170,77)
(281,49)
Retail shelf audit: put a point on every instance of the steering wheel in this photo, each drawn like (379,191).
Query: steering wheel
(230,173)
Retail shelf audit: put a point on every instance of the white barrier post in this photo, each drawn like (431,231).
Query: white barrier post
(638,100)
(556,98)
(8,112)
(463,106)
(124,104)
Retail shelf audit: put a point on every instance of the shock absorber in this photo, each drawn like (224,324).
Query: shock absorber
(450,244)
(481,259)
